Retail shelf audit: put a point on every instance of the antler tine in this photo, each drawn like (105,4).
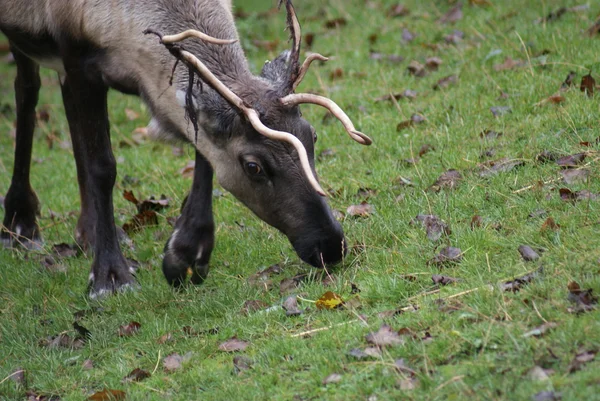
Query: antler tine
(169,39)
(304,68)
(299,98)
(252,116)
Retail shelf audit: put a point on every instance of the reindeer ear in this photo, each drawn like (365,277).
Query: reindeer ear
(277,71)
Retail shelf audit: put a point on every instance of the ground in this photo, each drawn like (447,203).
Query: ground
(503,121)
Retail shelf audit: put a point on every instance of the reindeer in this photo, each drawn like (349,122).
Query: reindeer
(246,129)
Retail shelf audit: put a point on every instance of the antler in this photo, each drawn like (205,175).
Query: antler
(302,72)
(299,98)
(168,39)
(251,114)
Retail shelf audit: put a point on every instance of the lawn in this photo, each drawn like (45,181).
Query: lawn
(481,145)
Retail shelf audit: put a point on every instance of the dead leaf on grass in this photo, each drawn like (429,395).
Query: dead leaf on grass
(129,329)
(573,176)
(571,160)
(584,300)
(62,340)
(291,306)
(516,284)
(581,359)
(332,378)
(172,362)
(335,23)
(550,225)
(445,82)
(364,209)
(233,344)
(136,375)
(65,250)
(546,156)
(499,111)
(588,84)
(443,280)
(434,226)
(407,36)
(476,222)
(329,300)
(406,94)
(453,15)
(384,336)
(447,256)
(527,253)
(417,69)
(253,306)
(369,352)
(499,166)
(569,81)
(108,395)
(448,180)
(540,330)
(509,64)
(567,195)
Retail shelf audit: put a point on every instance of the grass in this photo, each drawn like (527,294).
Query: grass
(477,351)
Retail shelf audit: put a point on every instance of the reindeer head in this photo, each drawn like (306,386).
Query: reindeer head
(263,150)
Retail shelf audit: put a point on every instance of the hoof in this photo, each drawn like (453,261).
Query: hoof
(116,282)
(27,239)
(175,269)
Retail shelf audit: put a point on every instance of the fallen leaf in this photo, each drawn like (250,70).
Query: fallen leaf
(309,39)
(581,359)
(448,255)
(335,23)
(165,338)
(136,375)
(129,329)
(588,83)
(64,250)
(417,69)
(369,352)
(291,306)
(398,10)
(364,209)
(517,283)
(546,156)
(445,82)
(434,226)
(490,134)
(584,300)
(527,253)
(408,94)
(550,225)
(407,36)
(554,15)
(569,81)
(476,222)
(108,395)
(453,15)
(498,111)
(594,29)
(571,160)
(509,64)
(62,340)
(289,284)
(547,396)
(241,364)
(443,280)
(233,344)
(499,166)
(573,176)
(82,331)
(384,336)
(408,383)
(144,219)
(329,300)
(332,378)
(88,364)
(567,195)
(455,37)
(538,373)
(188,170)
(425,148)
(172,362)
(541,330)
(253,306)
(432,63)
(448,180)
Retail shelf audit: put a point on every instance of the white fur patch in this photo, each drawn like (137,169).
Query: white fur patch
(200,252)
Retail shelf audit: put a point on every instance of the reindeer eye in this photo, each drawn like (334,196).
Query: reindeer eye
(253,168)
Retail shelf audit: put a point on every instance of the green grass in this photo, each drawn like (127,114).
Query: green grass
(476,352)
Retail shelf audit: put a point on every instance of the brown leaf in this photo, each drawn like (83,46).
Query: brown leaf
(581,359)
(567,195)
(476,222)
(425,148)
(241,364)
(291,306)
(519,282)
(309,39)
(455,37)
(432,63)
(443,280)
(546,156)
(253,306)
(571,160)
(448,255)
(364,209)
(384,336)
(332,378)
(136,375)
(569,81)
(141,220)
(554,99)
(550,225)
(336,74)
(573,176)
(445,82)
(448,180)
(398,10)
(88,364)
(588,83)
(62,340)
(129,329)
(584,300)
(165,338)
(490,134)
(527,253)
(188,170)
(329,300)
(434,226)
(417,69)
(408,94)
(509,64)
(172,362)
(407,36)
(453,15)
(499,166)
(335,23)
(369,352)
(64,250)
(541,330)
(594,29)
(108,395)
(233,344)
